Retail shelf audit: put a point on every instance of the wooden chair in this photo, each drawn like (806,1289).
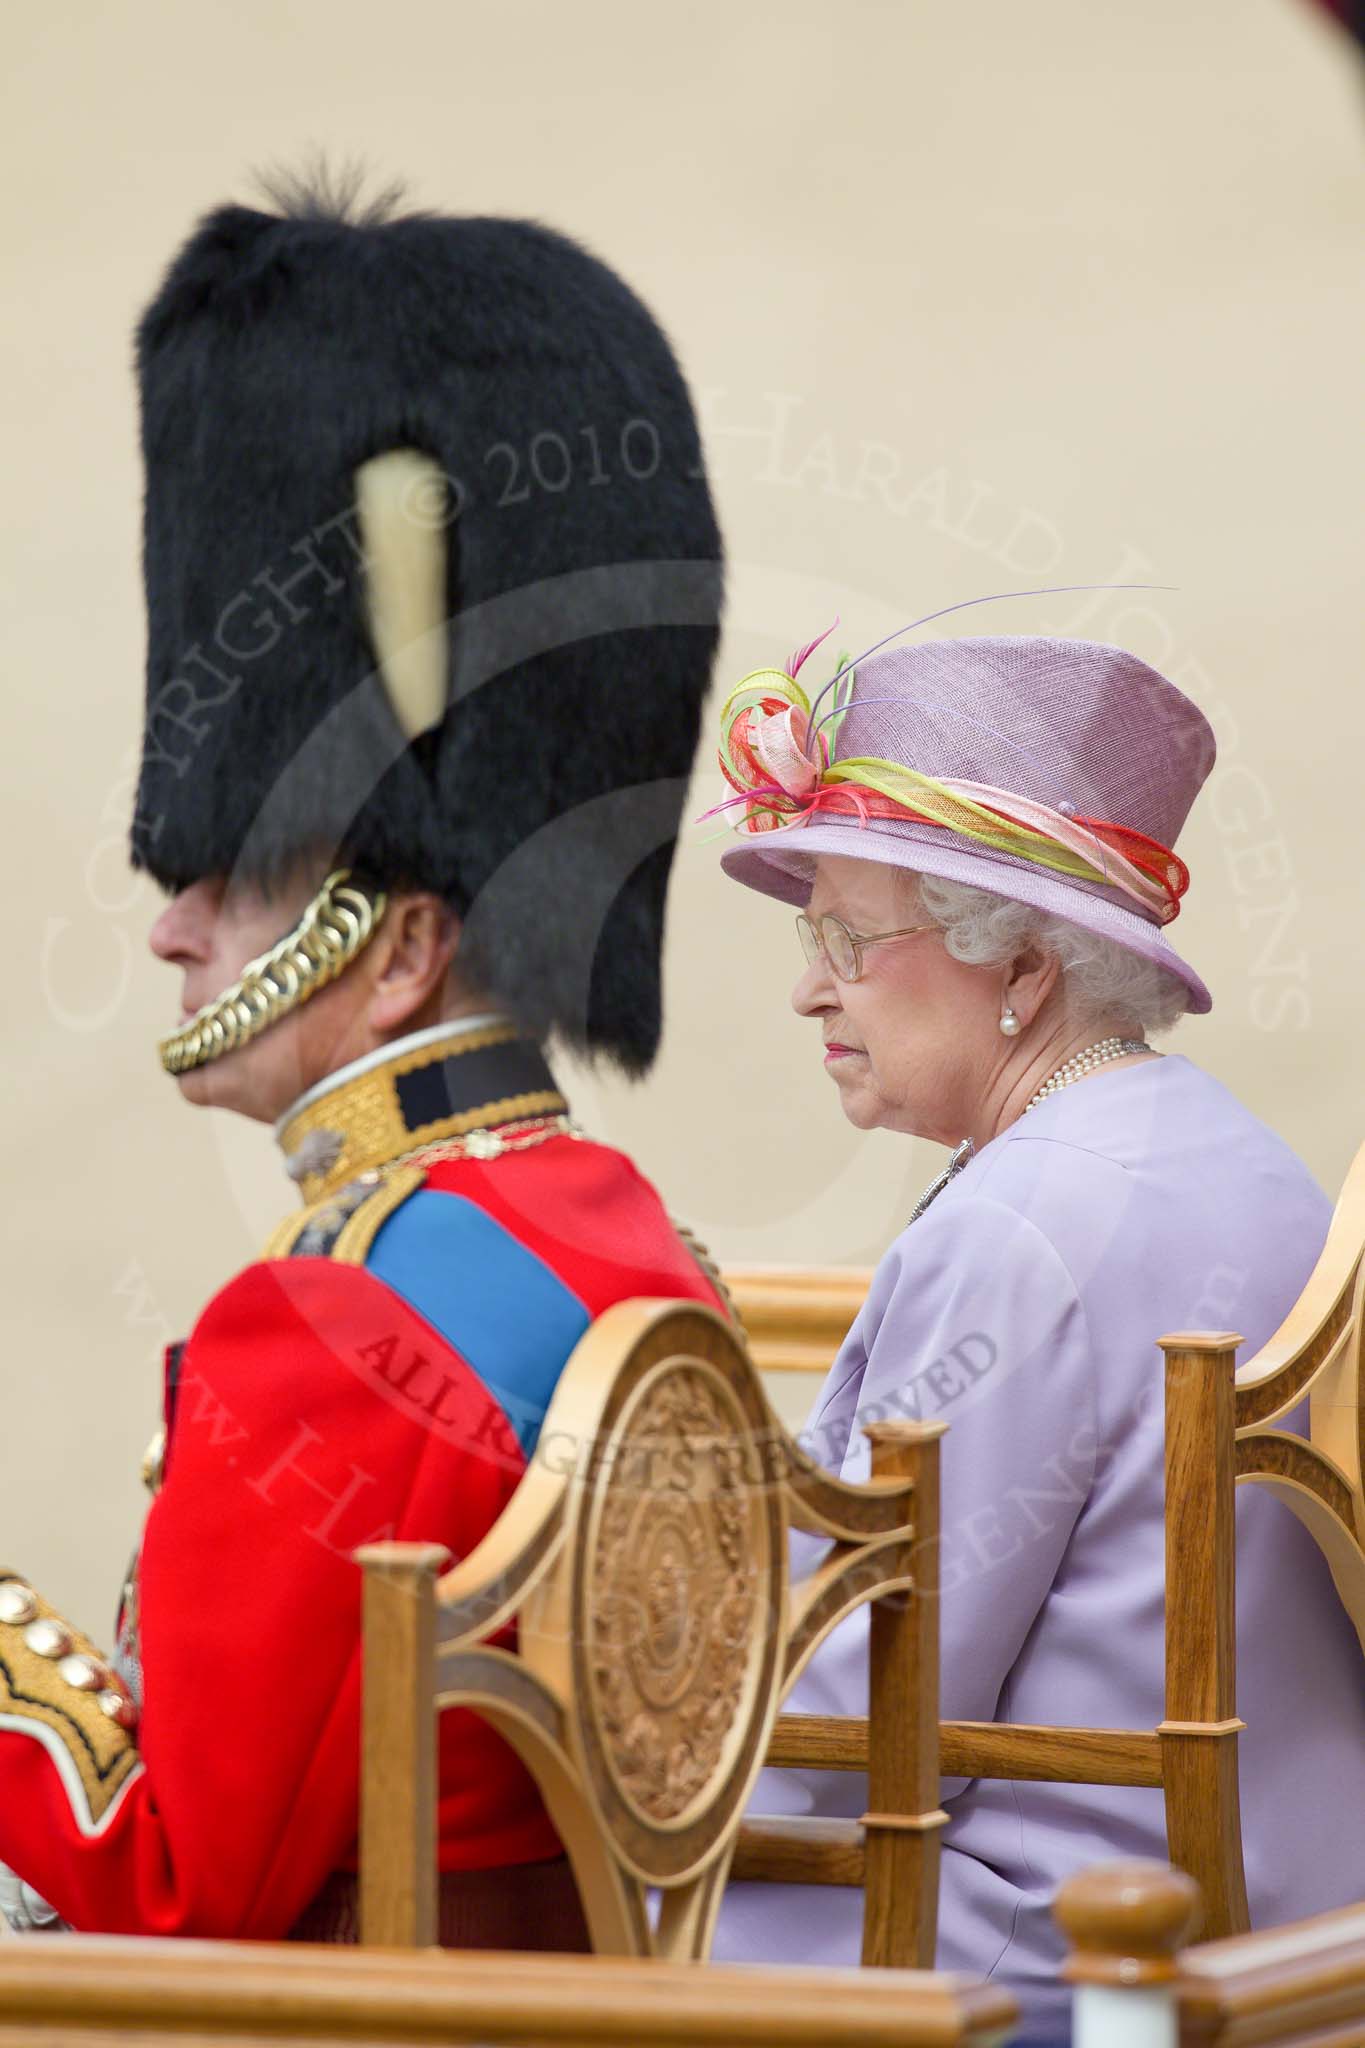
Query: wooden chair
(796,1317)
(644,1558)
(1220,1433)
(1301,1986)
(77,1992)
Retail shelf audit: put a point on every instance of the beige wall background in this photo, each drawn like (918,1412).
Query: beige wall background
(973,298)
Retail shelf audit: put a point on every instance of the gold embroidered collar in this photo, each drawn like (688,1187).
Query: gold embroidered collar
(437,1084)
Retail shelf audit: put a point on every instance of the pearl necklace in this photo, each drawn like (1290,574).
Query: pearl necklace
(1097,1055)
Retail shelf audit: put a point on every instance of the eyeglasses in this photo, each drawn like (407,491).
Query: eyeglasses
(831,938)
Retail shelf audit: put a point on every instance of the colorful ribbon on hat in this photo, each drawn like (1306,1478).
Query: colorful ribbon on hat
(778,759)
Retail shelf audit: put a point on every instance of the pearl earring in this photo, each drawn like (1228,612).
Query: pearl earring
(1010,1024)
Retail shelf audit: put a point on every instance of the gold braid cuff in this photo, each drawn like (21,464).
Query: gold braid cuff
(55,1686)
(338,923)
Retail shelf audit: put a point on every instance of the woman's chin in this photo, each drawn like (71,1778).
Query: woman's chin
(859,1104)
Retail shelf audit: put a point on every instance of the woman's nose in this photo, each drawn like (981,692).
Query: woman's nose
(814,991)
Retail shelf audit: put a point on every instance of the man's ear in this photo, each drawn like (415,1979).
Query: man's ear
(1029,981)
(414,948)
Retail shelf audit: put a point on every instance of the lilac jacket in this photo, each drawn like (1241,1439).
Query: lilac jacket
(1023,1308)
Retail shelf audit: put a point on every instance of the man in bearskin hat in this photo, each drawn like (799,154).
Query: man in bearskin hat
(433,583)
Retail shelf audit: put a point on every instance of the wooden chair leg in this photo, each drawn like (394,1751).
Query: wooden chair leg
(1199,1733)
(904,1820)
(1204,1820)
(687,1915)
(398,1751)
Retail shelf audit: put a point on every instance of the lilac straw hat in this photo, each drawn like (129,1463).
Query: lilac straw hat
(1080,728)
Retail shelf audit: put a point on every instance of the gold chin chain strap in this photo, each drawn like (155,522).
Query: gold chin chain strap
(338,923)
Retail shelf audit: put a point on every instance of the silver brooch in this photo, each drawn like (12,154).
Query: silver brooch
(936,1186)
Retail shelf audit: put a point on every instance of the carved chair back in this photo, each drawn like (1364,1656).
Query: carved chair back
(1220,1433)
(1316,1354)
(644,1559)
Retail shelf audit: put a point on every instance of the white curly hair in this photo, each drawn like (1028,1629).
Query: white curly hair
(1104,982)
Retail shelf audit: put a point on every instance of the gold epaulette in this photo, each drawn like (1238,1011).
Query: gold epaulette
(55,1686)
(344,1225)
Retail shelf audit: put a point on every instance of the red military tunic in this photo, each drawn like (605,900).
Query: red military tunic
(381,1374)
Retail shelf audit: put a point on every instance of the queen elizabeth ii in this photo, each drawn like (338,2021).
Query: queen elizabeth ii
(979,835)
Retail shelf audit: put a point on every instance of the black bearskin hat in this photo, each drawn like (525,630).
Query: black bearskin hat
(558,479)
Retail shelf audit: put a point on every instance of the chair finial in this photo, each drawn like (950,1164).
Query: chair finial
(1125,1922)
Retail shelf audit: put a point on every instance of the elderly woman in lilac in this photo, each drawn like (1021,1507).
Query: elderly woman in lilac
(980,840)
